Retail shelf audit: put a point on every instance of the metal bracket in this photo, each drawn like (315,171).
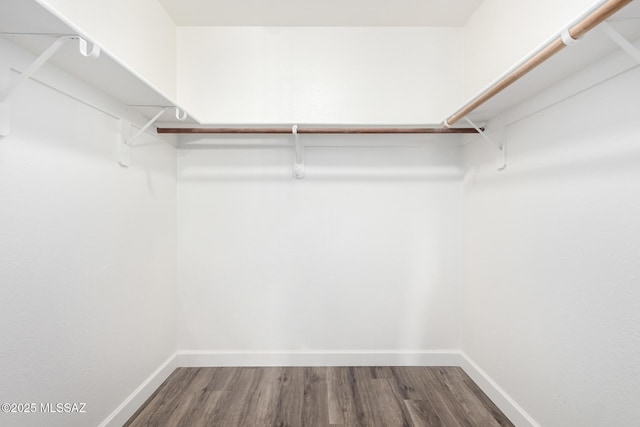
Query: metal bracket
(501,160)
(11,86)
(619,39)
(125,142)
(125,150)
(8,87)
(567,38)
(83,46)
(35,66)
(298,160)
(182,117)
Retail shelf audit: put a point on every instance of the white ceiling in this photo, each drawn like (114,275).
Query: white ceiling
(320,12)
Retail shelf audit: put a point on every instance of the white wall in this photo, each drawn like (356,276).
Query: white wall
(239,75)
(361,255)
(87,257)
(140,34)
(552,262)
(501,32)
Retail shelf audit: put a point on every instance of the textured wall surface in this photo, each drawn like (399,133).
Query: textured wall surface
(552,259)
(87,258)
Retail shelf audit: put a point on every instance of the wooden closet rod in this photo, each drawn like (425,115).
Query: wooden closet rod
(311,130)
(578,30)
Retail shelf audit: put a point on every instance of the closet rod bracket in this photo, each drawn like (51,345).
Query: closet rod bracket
(298,160)
(83,45)
(125,142)
(501,160)
(621,41)
(8,87)
(181,114)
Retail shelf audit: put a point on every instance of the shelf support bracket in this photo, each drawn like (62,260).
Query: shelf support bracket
(621,41)
(9,87)
(181,114)
(83,45)
(298,162)
(125,142)
(124,149)
(501,160)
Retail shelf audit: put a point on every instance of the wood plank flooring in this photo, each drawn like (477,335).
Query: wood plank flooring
(319,396)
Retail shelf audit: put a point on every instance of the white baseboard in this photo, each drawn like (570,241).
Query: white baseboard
(135,400)
(507,405)
(319,358)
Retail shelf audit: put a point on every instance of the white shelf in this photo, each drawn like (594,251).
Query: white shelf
(592,48)
(104,73)
(118,81)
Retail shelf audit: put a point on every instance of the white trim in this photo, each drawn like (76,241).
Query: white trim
(319,358)
(140,395)
(516,414)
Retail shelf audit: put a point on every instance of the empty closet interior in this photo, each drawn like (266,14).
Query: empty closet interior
(246,184)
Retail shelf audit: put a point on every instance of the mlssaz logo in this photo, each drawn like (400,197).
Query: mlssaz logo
(66,408)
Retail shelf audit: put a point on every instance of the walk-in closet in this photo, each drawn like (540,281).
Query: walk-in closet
(297,213)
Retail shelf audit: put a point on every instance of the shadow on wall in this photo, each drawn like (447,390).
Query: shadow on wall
(545,157)
(591,134)
(351,158)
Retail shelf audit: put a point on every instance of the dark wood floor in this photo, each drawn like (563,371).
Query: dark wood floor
(369,396)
